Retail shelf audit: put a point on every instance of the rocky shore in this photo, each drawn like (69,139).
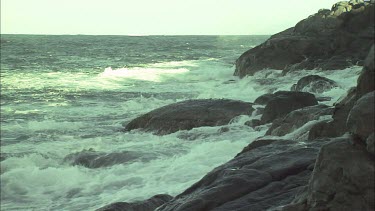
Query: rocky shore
(329,165)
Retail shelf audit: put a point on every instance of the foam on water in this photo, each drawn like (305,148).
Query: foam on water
(68,112)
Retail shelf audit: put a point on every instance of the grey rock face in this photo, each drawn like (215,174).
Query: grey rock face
(190,114)
(265,174)
(366,80)
(343,178)
(361,117)
(147,205)
(327,40)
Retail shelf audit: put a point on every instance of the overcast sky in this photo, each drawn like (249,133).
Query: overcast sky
(155,17)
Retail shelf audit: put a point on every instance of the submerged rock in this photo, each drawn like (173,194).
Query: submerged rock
(147,205)
(267,173)
(94,159)
(314,83)
(190,114)
(327,40)
(284,102)
(297,119)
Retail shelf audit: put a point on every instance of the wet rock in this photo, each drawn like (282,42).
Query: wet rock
(253,123)
(314,83)
(343,179)
(370,142)
(297,119)
(366,80)
(327,40)
(285,102)
(264,99)
(190,114)
(337,126)
(361,117)
(268,173)
(147,205)
(94,159)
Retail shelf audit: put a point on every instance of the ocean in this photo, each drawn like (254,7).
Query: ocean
(65,95)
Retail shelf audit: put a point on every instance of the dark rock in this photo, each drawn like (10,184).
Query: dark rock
(322,99)
(253,123)
(147,205)
(94,159)
(371,144)
(285,102)
(297,119)
(361,117)
(329,39)
(343,178)
(366,80)
(264,99)
(314,83)
(190,114)
(336,127)
(266,174)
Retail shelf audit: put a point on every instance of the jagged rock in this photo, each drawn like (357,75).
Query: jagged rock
(343,179)
(265,174)
(190,114)
(285,102)
(337,126)
(371,144)
(314,83)
(147,205)
(297,119)
(361,117)
(330,39)
(366,80)
(94,159)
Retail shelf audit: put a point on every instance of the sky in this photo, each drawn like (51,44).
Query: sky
(155,17)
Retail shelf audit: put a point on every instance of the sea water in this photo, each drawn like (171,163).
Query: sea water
(62,95)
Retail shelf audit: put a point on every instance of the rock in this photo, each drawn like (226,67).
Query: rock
(190,114)
(253,123)
(297,119)
(366,80)
(94,159)
(314,83)
(327,40)
(337,126)
(361,117)
(264,99)
(147,205)
(266,174)
(371,144)
(285,102)
(343,178)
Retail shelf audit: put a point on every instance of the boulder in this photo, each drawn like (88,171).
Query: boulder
(297,119)
(314,83)
(361,117)
(190,114)
(285,102)
(93,159)
(330,39)
(370,142)
(266,174)
(147,205)
(264,99)
(343,179)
